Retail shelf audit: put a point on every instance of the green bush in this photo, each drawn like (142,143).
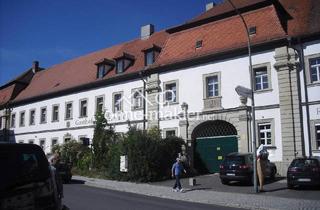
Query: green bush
(149,158)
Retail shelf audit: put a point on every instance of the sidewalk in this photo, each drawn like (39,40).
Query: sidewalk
(248,201)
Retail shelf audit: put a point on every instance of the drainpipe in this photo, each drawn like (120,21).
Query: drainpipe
(303,65)
(300,53)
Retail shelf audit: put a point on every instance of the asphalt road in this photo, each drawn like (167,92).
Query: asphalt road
(81,197)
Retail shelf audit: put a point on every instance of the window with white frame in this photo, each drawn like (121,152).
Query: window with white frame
(67,139)
(83,108)
(13,120)
(117,102)
(54,141)
(137,101)
(261,78)
(22,119)
(212,86)
(99,104)
(68,113)
(20,141)
(31,141)
(170,133)
(43,115)
(170,92)
(317,129)
(42,143)
(32,116)
(55,113)
(315,69)
(265,134)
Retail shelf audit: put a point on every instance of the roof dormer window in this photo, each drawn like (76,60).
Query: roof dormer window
(123,62)
(104,66)
(150,54)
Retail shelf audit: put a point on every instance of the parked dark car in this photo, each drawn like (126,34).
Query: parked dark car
(27,180)
(239,167)
(304,171)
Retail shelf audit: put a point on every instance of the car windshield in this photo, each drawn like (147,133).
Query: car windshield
(299,163)
(238,160)
(22,167)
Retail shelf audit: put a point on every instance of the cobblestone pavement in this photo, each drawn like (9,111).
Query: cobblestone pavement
(276,188)
(205,195)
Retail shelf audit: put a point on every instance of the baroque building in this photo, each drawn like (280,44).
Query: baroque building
(183,80)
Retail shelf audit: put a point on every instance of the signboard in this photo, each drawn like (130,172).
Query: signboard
(242,91)
(123,163)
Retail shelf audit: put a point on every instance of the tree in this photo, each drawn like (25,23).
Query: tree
(103,137)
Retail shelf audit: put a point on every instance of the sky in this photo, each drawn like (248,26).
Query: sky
(53,31)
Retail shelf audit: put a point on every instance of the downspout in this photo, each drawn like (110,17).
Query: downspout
(303,65)
(300,53)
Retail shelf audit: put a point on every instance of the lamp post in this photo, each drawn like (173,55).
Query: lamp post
(254,145)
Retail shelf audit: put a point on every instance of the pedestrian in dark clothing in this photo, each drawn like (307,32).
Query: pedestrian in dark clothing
(176,172)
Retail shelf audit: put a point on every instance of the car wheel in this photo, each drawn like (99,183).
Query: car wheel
(223,181)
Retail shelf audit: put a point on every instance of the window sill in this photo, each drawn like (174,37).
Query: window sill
(54,121)
(43,122)
(270,147)
(83,117)
(313,84)
(171,103)
(31,124)
(66,119)
(136,109)
(263,91)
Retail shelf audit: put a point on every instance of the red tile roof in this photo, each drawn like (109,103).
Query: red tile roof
(6,94)
(305,16)
(221,36)
(83,70)
(224,8)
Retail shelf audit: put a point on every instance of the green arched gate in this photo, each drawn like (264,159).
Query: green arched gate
(213,140)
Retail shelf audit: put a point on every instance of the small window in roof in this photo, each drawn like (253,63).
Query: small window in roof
(104,66)
(123,62)
(198,44)
(149,58)
(120,66)
(252,30)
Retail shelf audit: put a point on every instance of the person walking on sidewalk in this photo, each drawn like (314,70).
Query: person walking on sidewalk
(176,172)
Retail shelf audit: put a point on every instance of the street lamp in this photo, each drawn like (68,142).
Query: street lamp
(254,146)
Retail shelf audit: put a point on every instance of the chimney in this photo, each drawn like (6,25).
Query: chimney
(210,5)
(35,66)
(147,31)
